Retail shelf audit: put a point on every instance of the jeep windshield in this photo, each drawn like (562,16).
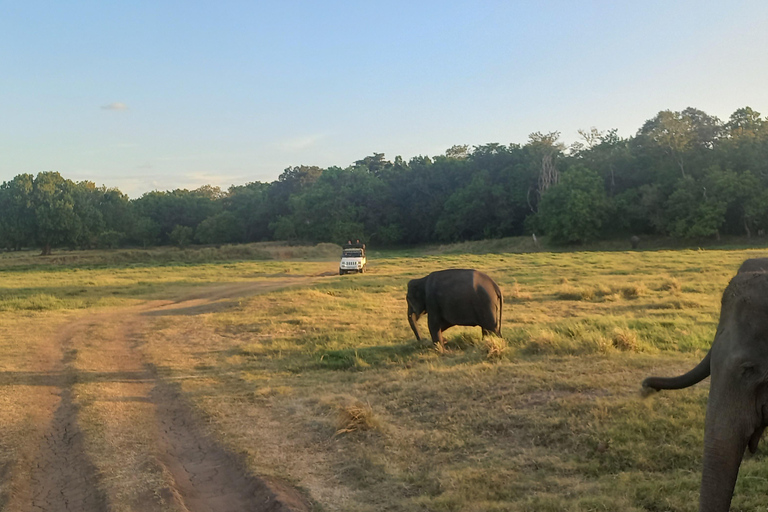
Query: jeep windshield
(352,253)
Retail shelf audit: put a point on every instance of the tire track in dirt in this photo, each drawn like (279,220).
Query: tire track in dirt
(204,476)
(207,477)
(64,479)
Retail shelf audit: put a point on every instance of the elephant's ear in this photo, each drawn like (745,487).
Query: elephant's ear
(416,296)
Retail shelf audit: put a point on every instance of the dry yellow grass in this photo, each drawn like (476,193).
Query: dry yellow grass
(356,417)
(624,339)
(547,418)
(494,347)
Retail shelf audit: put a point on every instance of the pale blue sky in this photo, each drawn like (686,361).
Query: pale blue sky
(148,95)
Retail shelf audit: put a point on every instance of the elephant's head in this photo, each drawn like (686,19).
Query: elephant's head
(417,302)
(737,409)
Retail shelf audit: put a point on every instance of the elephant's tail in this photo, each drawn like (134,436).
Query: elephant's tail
(501,307)
(699,373)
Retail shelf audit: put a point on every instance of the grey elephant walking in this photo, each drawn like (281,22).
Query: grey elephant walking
(455,297)
(737,408)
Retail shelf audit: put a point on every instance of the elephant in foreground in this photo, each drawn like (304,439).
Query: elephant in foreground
(454,297)
(737,408)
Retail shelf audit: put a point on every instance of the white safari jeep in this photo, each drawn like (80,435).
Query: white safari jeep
(352,258)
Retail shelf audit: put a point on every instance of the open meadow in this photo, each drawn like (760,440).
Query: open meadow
(118,366)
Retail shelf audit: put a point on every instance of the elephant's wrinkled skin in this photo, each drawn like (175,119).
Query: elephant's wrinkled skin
(454,297)
(737,408)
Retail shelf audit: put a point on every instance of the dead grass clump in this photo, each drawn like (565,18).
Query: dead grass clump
(601,290)
(568,292)
(516,293)
(544,341)
(634,290)
(494,347)
(355,418)
(624,340)
(672,285)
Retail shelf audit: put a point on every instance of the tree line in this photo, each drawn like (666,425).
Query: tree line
(683,174)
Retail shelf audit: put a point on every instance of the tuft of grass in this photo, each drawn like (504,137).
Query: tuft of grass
(600,292)
(624,340)
(542,342)
(356,417)
(517,293)
(570,292)
(671,285)
(633,291)
(494,347)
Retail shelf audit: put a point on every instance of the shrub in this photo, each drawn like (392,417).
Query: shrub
(110,239)
(181,236)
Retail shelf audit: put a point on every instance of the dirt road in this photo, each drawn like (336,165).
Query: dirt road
(171,461)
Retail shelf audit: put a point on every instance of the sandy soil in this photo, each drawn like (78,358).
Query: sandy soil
(199,474)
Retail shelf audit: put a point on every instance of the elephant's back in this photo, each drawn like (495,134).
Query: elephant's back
(456,286)
(754,265)
(450,278)
(458,278)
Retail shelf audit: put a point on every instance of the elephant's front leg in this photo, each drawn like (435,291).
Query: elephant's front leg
(435,329)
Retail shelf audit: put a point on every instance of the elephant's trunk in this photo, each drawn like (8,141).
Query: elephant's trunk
(699,373)
(413,317)
(724,447)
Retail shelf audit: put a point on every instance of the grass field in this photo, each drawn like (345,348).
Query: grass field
(323,384)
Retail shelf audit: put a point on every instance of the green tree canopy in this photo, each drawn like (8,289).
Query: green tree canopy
(573,210)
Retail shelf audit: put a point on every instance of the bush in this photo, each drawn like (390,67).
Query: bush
(181,236)
(219,229)
(110,239)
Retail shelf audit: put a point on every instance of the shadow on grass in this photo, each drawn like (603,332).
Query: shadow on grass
(366,357)
(388,355)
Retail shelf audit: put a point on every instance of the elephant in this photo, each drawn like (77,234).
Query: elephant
(454,297)
(754,265)
(737,407)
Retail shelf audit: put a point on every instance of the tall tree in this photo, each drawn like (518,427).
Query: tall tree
(17,220)
(573,210)
(53,201)
(544,149)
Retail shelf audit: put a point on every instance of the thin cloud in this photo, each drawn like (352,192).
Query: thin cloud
(301,143)
(115,106)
